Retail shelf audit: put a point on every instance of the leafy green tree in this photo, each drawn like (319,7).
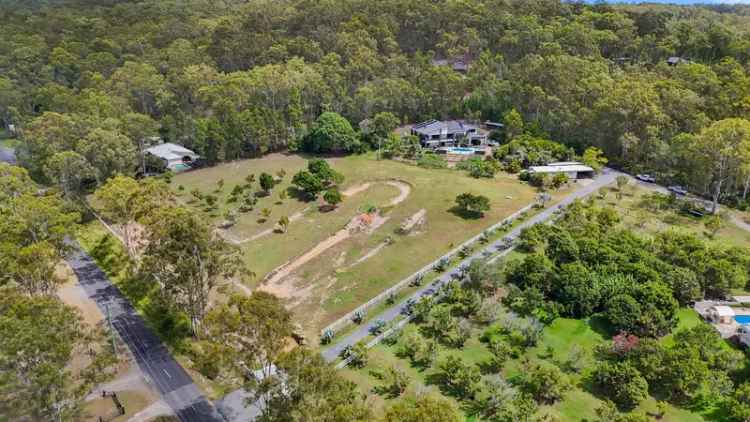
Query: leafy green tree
(266,182)
(621,383)
(397,381)
(473,204)
(739,404)
(251,332)
(594,158)
(513,124)
(109,153)
(283,223)
(313,390)
(308,183)
(186,260)
(331,133)
(459,377)
(713,224)
(546,383)
(70,172)
(333,197)
(126,202)
(39,338)
(422,408)
(723,147)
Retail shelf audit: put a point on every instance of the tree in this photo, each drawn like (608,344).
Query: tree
(331,133)
(422,408)
(308,183)
(283,223)
(251,332)
(513,124)
(459,377)
(33,229)
(378,129)
(397,381)
(333,197)
(266,182)
(265,213)
(739,403)
(473,204)
(621,181)
(594,158)
(109,153)
(126,202)
(722,148)
(713,224)
(545,383)
(621,383)
(186,260)
(70,172)
(313,390)
(39,337)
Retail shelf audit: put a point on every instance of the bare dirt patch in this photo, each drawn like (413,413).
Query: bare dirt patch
(72,294)
(415,220)
(275,281)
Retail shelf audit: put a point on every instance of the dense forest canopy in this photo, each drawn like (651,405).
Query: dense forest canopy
(237,79)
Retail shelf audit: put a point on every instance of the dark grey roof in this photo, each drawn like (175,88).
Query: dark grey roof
(435,127)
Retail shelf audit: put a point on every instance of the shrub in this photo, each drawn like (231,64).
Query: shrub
(432,161)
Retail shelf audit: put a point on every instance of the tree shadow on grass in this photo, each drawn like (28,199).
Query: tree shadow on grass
(298,194)
(601,325)
(465,214)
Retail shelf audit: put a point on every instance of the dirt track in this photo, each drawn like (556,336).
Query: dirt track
(279,284)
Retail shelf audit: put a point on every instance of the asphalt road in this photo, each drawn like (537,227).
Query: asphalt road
(7,155)
(169,378)
(605,178)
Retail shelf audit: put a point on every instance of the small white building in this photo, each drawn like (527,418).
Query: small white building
(721,314)
(572,169)
(175,157)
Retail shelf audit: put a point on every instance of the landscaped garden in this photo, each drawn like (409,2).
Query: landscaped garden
(324,275)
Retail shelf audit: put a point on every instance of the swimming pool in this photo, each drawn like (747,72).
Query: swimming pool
(180,167)
(742,319)
(460,150)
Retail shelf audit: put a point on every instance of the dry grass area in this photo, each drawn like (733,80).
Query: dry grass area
(132,401)
(641,219)
(352,270)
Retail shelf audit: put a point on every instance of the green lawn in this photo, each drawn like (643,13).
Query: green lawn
(335,282)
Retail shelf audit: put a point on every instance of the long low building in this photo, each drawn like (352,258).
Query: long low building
(573,169)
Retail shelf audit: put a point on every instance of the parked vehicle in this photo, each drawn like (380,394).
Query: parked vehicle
(646,178)
(679,190)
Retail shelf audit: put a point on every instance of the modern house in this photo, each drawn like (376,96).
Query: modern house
(449,133)
(573,169)
(175,157)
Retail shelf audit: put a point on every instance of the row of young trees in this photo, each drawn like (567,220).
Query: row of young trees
(237,80)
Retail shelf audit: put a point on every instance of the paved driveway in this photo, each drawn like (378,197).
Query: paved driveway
(7,155)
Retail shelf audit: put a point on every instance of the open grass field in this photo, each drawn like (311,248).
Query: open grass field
(354,269)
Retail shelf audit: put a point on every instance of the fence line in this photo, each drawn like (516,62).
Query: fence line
(347,319)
